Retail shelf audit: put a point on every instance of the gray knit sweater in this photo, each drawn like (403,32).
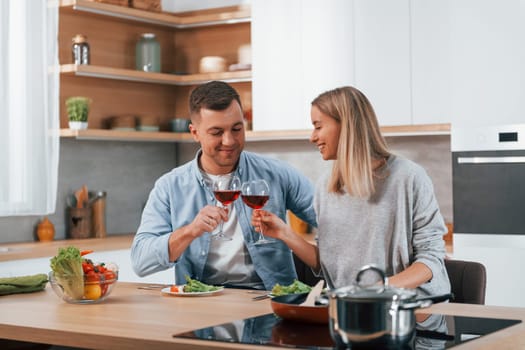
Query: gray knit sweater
(399,225)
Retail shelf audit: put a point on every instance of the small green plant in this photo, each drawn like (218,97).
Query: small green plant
(78,108)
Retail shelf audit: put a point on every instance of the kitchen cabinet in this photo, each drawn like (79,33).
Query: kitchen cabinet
(487,62)
(382,58)
(282,91)
(111,80)
(430,35)
(306,47)
(300,49)
(121,258)
(28,258)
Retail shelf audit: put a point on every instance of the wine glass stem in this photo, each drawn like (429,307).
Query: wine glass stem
(221,224)
(261,234)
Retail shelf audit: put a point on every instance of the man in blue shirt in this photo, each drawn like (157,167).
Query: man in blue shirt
(181,210)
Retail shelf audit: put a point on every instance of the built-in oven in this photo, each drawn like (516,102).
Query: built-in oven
(488,178)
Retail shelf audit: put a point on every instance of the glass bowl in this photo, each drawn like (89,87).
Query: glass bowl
(91,292)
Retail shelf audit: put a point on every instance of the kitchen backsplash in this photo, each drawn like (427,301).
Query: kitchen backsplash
(128,170)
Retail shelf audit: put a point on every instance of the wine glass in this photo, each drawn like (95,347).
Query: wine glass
(226,189)
(255,194)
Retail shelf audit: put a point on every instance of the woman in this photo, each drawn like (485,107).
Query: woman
(372,208)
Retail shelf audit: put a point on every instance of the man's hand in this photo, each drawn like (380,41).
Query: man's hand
(208,219)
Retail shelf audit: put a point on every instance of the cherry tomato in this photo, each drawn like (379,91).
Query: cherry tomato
(92,276)
(86,267)
(104,288)
(109,275)
(174,289)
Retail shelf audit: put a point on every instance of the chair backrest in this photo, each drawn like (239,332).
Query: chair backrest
(468,280)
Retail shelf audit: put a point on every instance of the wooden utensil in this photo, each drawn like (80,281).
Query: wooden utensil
(81,196)
(314,293)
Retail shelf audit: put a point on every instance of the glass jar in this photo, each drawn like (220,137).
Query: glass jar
(80,49)
(147,53)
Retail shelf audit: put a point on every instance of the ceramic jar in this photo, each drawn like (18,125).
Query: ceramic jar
(45,230)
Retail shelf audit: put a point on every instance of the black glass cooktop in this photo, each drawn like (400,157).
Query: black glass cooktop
(437,332)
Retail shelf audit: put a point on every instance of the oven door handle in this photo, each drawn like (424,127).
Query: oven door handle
(489,160)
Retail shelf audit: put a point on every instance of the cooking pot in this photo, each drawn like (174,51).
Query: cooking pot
(375,316)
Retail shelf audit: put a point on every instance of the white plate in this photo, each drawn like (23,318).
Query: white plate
(190,294)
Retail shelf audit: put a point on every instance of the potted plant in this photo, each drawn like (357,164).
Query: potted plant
(77,111)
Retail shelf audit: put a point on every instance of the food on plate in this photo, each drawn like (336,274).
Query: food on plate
(193,286)
(79,278)
(296,287)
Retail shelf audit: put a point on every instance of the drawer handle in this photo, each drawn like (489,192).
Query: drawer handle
(489,160)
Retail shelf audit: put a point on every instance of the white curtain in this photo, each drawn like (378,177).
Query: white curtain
(29,107)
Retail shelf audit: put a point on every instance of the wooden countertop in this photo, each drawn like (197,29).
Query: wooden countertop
(133,318)
(30,250)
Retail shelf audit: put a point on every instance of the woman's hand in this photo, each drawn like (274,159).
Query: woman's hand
(272,225)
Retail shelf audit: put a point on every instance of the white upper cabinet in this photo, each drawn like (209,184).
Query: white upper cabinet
(382,57)
(418,61)
(487,41)
(300,49)
(430,61)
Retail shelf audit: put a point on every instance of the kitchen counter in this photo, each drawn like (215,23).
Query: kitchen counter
(133,318)
(31,250)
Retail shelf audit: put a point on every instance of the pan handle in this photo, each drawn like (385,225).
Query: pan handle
(437,298)
(421,304)
(424,302)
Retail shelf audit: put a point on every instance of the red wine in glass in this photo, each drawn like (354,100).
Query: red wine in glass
(255,194)
(226,197)
(254,201)
(226,190)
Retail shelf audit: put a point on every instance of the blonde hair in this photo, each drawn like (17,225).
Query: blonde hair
(360,140)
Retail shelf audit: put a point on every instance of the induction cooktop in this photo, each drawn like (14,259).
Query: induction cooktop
(437,332)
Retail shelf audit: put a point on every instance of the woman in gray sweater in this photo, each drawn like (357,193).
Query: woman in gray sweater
(374,207)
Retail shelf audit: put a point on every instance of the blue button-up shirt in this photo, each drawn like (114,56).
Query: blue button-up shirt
(179,195)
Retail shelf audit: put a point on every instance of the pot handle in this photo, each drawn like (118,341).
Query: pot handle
(379,271)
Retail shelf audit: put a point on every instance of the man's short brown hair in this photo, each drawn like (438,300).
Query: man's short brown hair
(215,95)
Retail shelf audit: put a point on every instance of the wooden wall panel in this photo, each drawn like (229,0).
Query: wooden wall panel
(112,41)
(192,44)
(114,97)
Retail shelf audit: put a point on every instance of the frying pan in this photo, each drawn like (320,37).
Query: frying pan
(287,307)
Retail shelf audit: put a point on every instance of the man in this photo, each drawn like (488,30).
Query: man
(181,211)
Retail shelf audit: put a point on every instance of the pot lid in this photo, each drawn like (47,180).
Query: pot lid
(373,292)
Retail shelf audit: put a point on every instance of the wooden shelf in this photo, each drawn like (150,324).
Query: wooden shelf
(230,15)
(152,77)
(251,136)
(117,135)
